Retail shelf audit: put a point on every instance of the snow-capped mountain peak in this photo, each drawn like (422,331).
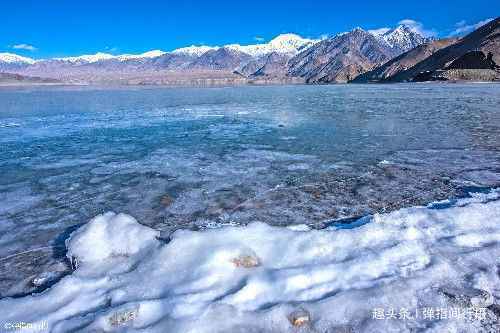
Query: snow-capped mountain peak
(403,28)
(401,38)
(12,58)
(100,56)
(87,58)
(358,29)
(194,50)
(152,54)
(282,44)
(289,42)
(145,55)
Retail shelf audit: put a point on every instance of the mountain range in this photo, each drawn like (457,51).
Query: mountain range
(388,55)
(390,71)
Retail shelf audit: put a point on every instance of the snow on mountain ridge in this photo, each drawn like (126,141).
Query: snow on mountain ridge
(152,54)
(87,58)
(284,44)
(12,58)
(99,56)
(402,37)
(290,41)
(194,50)
(149,54)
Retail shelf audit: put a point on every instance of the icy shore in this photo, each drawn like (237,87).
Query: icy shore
(260,278)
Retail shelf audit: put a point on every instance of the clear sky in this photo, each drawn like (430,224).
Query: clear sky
(47,28)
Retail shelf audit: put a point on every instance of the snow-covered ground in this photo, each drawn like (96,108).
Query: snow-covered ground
(439,262)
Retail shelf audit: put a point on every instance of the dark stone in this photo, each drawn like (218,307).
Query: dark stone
(467,297)
(166,200)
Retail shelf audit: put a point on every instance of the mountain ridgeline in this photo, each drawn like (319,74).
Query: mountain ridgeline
(392,55)
(474,57)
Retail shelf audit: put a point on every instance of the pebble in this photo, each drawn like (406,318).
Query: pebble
(299,318)
(246,261)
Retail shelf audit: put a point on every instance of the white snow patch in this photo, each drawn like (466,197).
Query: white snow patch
(379,31)
(194,50)
(87,58)
(402,37)
(145,55)
(299,227)
(12,58)
(92,58)
(283,44)
(108,236)
(129,280)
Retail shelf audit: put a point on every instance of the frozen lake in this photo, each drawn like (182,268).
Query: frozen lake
(199,158)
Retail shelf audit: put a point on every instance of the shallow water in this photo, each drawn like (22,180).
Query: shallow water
(198,158)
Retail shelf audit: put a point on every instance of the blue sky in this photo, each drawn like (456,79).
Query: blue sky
(47,28)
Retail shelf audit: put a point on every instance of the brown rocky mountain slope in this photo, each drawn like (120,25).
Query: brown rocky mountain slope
(404,61)
(471,54)
(341,58)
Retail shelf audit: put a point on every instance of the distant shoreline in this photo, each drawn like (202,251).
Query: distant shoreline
(221,85)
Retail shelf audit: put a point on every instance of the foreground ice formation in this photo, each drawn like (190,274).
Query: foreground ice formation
(260,278)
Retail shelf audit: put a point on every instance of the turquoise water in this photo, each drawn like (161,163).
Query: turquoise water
(198,158)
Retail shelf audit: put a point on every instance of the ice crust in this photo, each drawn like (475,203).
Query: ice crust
(128,279)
